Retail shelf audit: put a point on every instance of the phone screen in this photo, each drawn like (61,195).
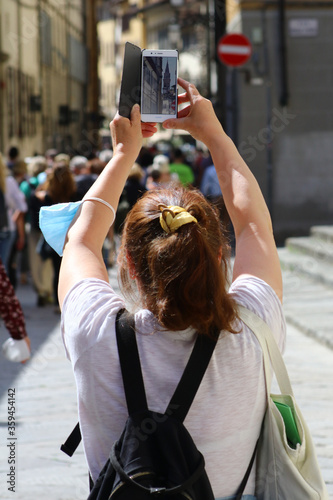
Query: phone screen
(159,85)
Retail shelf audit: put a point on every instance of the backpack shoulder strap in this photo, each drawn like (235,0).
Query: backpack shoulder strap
(72,442)
(193,374)
(130,362)
(132,375)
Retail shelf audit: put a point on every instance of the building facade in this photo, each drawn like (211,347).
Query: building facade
(185,25)
(282,113)
(118,23)
(43,74)
(278,107)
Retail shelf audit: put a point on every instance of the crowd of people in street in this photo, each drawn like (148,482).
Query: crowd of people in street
(27,184)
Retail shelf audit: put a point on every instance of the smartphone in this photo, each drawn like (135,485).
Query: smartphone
(159,85)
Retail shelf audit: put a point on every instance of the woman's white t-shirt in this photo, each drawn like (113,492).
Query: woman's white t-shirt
(226,415)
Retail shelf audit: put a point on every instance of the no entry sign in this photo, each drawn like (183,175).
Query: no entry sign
(234,49)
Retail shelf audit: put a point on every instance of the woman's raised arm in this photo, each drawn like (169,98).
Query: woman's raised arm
(82,257)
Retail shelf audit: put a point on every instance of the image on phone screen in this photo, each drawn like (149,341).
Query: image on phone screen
(159,87)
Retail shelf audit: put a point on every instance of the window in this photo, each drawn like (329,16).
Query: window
(45,39)
(21,119)
(78,60)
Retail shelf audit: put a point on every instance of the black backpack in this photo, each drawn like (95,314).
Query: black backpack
(155,457)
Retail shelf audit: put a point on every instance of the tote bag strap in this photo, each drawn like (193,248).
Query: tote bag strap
(271,351)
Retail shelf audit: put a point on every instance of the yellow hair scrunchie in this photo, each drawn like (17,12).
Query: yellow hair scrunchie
(173,217)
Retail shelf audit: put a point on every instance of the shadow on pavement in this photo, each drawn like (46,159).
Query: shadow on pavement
(40,323)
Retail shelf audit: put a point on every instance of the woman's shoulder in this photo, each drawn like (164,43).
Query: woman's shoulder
(88,310)
(88,302)
(260,298)
(90,290)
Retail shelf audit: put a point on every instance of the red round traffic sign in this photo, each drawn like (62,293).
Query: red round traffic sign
(234,49)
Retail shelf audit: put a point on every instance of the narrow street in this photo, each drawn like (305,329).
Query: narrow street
(45,402)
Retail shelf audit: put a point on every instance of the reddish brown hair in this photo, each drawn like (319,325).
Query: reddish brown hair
(182,280)
(60,183)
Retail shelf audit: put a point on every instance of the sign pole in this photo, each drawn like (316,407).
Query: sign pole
(220,28)
(269,145)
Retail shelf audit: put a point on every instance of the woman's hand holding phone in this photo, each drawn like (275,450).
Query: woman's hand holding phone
(198,118)
(148,129)
(127,134)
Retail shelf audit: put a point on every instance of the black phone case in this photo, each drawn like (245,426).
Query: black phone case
(130,90)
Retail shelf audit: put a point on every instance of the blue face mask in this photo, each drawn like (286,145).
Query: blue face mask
(54,222)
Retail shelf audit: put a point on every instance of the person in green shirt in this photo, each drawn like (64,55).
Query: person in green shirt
(184,172)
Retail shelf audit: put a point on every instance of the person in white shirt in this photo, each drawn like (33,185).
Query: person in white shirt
(16,207)
(175,256)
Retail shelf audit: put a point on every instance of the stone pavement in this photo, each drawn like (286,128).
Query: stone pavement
(45,404)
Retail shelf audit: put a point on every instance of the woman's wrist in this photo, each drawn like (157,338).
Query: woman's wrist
(122,159)
(121,154)
(217,141)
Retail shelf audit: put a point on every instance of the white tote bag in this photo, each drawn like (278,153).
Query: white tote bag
(283,471)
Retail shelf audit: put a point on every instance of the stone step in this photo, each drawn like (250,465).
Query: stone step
(318,269)
(312,246)
(323,232)
(307,268)
(308,305)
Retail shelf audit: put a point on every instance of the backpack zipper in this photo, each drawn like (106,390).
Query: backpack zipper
(134,476)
